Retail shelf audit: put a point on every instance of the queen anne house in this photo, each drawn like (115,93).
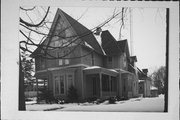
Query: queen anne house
(95,64)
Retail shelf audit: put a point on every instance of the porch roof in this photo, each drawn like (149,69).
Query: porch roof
(98,69)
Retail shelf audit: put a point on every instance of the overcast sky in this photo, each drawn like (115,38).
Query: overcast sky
(148,30)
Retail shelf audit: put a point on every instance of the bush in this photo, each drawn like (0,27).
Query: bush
(46,95)
(91,99)
(72,96)
(112,100)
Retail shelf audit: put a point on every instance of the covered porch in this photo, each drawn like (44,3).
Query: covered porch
(100,82)
(41,82)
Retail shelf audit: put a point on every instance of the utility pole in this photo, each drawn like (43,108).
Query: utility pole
(131,31)
(167,60)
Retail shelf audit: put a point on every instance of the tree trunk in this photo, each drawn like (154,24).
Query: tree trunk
(21,87)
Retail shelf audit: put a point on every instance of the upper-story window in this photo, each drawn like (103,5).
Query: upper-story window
(60,62)
(124,61)
(63,54)
(109,59)
(42,63)
(66,61)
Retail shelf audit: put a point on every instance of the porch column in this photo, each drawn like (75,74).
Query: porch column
(44,83)
(100,77)
(37,87)
(110,85)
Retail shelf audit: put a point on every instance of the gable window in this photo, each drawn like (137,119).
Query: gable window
(124,61)
(42,63)
(66,61)
(109,59)
(60,62)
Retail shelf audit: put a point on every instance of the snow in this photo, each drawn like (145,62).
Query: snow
(155,104)
(89,45)
(93,67)
(98,38)
(96,67)
(141,80)
(153,88)
(113,70)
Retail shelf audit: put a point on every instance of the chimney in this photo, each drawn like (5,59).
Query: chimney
(145,71)
(98,31)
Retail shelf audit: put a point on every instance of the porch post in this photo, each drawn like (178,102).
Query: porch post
(44,83)
(110,85)
(100,77)
(37,87)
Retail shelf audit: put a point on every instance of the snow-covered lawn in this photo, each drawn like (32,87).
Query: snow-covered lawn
(133,105)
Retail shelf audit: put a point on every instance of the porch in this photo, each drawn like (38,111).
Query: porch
(100,82)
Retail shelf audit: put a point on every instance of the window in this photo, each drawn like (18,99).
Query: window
(60,62)
(70,80)
(62,84)
(57,43)
(105,83)
(66,61)
(109,59)
(56,81)
(113,84)
(42,63)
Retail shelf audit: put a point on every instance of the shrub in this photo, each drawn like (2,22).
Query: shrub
(91,99)
(112,100)
(46,95)
(72,96)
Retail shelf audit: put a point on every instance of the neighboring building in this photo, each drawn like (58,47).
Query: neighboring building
(144,83)
(154,91)
(96,69)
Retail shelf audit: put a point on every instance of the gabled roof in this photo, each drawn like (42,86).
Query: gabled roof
(109,44)
(122,44)
(134,58)
(141,74)
(113,47)
(84,33)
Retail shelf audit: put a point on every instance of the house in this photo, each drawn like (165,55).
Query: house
(96,68)
(154,91)
(144,83)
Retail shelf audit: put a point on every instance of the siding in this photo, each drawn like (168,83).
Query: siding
(87,60)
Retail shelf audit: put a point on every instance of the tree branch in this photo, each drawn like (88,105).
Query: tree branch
(35,25)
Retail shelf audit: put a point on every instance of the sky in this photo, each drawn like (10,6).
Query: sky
(146,33)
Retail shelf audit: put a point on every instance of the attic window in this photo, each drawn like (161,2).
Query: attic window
(109,59)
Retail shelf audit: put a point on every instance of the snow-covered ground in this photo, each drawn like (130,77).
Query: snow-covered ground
(155,104)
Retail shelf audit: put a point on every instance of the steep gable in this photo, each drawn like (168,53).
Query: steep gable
(84,33)
(109,44)
(113,47)
(123,45)
(68,28)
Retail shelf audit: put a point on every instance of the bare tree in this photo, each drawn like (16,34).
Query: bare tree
(31,27)
(159,77)
(37,28)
